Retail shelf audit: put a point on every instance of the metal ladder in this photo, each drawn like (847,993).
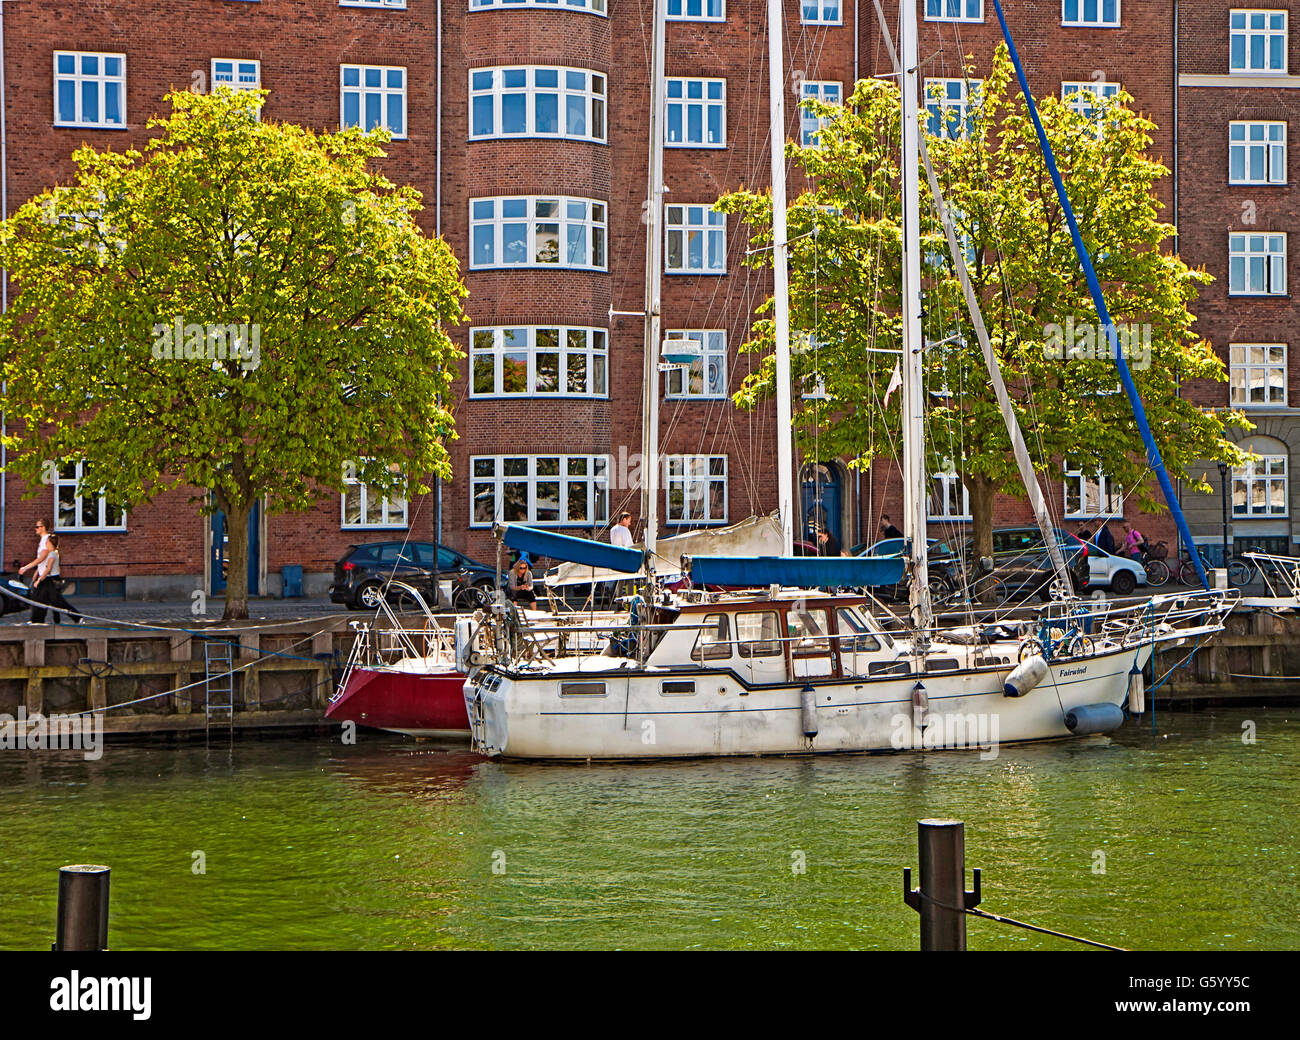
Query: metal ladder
(219,683)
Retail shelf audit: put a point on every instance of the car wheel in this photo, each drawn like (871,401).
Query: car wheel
(1123,583)
(369,595)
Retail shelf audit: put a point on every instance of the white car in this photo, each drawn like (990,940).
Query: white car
(1120,574)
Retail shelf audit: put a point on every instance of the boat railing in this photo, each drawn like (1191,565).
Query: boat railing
(1139,622)
(1280,574)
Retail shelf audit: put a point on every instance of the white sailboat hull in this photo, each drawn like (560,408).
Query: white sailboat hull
(528,717)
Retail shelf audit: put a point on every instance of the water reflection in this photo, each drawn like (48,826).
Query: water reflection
(393,844)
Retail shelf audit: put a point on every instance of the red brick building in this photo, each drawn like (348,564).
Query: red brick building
(524,124)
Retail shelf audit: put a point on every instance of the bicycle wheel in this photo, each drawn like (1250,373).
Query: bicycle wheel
(1078,646)
(1157,572)
(989,589)
(1187,574)
(1239,573)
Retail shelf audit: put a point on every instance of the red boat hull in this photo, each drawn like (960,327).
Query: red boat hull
(420,704)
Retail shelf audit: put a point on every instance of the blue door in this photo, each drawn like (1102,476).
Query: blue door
(821,501)
(220,538)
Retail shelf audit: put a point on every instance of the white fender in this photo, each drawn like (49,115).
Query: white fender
(1025,676)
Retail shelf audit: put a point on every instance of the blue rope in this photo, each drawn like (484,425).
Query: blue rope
(1094,287)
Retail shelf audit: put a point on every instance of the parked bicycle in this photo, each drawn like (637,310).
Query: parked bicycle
(1239,572)
(1153,558)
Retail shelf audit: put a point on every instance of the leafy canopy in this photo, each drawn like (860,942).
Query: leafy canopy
(845,276)
(319,305)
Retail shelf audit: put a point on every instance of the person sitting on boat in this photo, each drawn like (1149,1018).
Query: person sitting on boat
(520,586)
(888,530)
(827,543)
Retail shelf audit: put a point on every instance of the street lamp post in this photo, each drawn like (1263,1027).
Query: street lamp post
(1223,493)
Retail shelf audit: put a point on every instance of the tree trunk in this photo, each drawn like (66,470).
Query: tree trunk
(982,492)
(237,561)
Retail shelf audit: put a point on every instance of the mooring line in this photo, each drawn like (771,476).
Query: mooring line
(976,912)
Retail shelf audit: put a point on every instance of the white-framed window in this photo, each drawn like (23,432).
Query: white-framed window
(90,90)
(373,95)
(949,499)
(236,73)
(696,488)
(591,6)
(954,10)
(813,381)
(364,506)
(696,240)
(1082,95)
(1256,152)
(1257,265)
(1091,495)
(695,113)
(1090,12)
(539,361)
(373,3)
(819,12)
(1257,41)
(1259,487)
(535,231)
(1257,375)
(707,376)
(697,10)
(555,490)
(949,103)
(76,509)
(537,101)
(832,93)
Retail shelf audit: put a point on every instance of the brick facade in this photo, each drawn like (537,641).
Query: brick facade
(302,43)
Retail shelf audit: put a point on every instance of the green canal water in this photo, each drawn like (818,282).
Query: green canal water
(310,844)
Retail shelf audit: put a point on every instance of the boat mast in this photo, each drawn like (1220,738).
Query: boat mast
(650,462)
(915,484)
(780,278)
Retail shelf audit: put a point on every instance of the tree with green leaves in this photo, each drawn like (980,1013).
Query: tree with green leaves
(845,276)
(244,308)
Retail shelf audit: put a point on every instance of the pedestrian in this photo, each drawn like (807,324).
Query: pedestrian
(1133,540)
(827,543)
(621,533)
(1105,540)
(888,530)
(48,588)
(520,587)
(42,551)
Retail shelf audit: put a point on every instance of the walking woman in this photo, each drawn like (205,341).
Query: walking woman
(48,588)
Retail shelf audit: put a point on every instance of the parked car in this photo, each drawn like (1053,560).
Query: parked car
(359,576)
(943,567)
(1120,574)
(1021,565)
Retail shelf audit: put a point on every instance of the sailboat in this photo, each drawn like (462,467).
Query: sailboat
(794,669)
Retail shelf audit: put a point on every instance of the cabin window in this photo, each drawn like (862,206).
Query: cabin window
(677,687)
(854,634)
(713,644)
(758,634)
(582,689)
(809,631)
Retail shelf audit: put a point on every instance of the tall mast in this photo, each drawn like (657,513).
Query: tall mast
(650,463)
(780,279)
(915,484)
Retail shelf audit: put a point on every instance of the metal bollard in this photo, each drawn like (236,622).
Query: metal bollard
(83,908)
(942,894)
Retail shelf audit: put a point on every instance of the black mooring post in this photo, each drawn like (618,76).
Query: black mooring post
(83,908)
(942,894)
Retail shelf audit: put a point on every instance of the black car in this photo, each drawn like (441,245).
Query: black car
(1021,565)
(360,575)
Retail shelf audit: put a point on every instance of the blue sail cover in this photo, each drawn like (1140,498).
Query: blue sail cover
(804,572)
(1099,301)
(573,550)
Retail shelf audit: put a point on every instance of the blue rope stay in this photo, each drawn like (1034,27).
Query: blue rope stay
(1094,287)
